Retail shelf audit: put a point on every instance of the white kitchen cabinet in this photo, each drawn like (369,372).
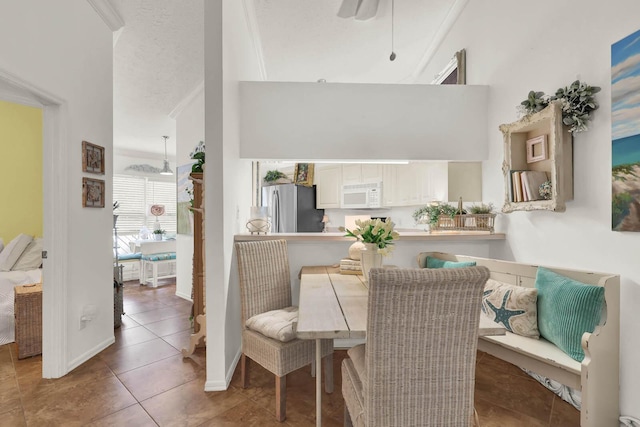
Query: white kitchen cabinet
(328,181)
(361,173)
(389,179)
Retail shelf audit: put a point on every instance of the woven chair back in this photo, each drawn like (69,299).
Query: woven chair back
(265,282)
(422,336)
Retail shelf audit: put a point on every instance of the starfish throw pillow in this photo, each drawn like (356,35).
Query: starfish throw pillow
(512,306)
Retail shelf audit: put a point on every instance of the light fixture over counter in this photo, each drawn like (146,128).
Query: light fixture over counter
(166,170)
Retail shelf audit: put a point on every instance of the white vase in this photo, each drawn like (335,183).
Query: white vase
(369,258)
(157,236)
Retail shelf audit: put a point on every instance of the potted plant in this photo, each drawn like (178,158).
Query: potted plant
(430,214)
(198,155)
(276,177)
(157,234)
(483,214)
(578,102)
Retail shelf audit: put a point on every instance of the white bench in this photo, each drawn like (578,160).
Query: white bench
(156,254)
(597,376)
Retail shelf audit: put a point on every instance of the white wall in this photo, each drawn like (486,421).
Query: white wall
(64,49)
(515,47)
(284,120)
(189,132)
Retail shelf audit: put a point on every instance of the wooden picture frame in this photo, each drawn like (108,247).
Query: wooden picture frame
(92,193)
(303,174)
(92,158)
(537,149)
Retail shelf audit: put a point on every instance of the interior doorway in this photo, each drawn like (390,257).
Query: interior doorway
(55,199)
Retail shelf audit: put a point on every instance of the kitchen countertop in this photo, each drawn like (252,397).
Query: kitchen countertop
(450,236)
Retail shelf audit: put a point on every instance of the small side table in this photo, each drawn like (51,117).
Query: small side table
(28,314)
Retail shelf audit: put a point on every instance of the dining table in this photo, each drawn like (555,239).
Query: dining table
(334,306)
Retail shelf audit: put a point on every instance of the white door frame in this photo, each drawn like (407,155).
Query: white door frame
(55,161)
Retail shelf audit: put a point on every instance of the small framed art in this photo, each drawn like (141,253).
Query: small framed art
(303,174)
(537,149)
(92,193)
(92,158)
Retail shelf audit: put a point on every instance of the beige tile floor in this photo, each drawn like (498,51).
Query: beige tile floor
(143,380)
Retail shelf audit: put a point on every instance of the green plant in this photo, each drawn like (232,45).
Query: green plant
(619,208)
(274,175)
(481,208)
(159,231)
(198,155)
(431,213)
(375,231)
(578,101)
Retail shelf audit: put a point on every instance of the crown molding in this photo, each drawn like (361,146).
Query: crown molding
(446,25)
(108,13)
(184,103)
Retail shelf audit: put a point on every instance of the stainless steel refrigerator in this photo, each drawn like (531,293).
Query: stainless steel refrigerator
(292,208)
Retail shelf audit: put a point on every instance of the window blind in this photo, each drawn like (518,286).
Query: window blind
(135,196)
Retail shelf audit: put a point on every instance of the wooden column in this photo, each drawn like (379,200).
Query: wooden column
(198,338)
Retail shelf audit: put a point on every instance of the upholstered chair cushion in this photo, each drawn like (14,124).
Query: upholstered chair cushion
(514,307)
(276,324)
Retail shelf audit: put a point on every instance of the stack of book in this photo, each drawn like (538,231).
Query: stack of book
(350,266)
(525,185)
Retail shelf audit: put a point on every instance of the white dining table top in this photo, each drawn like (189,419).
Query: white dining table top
(333,305)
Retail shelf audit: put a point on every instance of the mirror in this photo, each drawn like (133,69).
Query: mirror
(455,71)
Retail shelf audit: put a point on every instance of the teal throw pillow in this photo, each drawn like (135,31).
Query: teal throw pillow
(440,263)
(566,310)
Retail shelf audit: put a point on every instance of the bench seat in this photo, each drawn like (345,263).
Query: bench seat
(597,376)
(539,356)
(154,261)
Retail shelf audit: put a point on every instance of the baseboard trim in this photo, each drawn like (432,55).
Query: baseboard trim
(90,353)
(224,385)
(184,296)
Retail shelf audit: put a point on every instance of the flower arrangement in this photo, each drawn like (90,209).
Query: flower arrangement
(578,101)
(375,231)
(545,190)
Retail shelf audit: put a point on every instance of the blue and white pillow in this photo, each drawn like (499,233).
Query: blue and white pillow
(514,307)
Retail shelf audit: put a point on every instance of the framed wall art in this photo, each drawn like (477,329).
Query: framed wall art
(92,158)
(303,174)
(537,149)
(625,134)
(92,193)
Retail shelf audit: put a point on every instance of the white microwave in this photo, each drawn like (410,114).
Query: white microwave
(359,196)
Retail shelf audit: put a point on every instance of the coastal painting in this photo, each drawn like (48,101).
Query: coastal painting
(625,133)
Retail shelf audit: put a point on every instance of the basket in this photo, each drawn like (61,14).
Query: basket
(468,222)
(28,313)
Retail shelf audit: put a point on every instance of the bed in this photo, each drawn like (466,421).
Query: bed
(20,263)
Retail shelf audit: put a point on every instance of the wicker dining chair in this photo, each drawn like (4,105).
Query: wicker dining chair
(418,365)
(265,285)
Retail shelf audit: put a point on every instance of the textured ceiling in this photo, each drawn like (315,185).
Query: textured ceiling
(158,56)
(158,60)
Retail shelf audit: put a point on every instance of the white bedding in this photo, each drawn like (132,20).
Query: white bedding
(8,280)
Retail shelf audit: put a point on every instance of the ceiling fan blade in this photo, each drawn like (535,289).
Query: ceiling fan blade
(348,8)
(367,9)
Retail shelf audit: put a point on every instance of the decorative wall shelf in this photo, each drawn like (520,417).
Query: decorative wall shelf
(558,165)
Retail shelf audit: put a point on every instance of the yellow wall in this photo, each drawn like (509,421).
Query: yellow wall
(20,170)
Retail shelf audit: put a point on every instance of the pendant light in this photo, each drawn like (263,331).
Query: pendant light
(392,57)
(166,170)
